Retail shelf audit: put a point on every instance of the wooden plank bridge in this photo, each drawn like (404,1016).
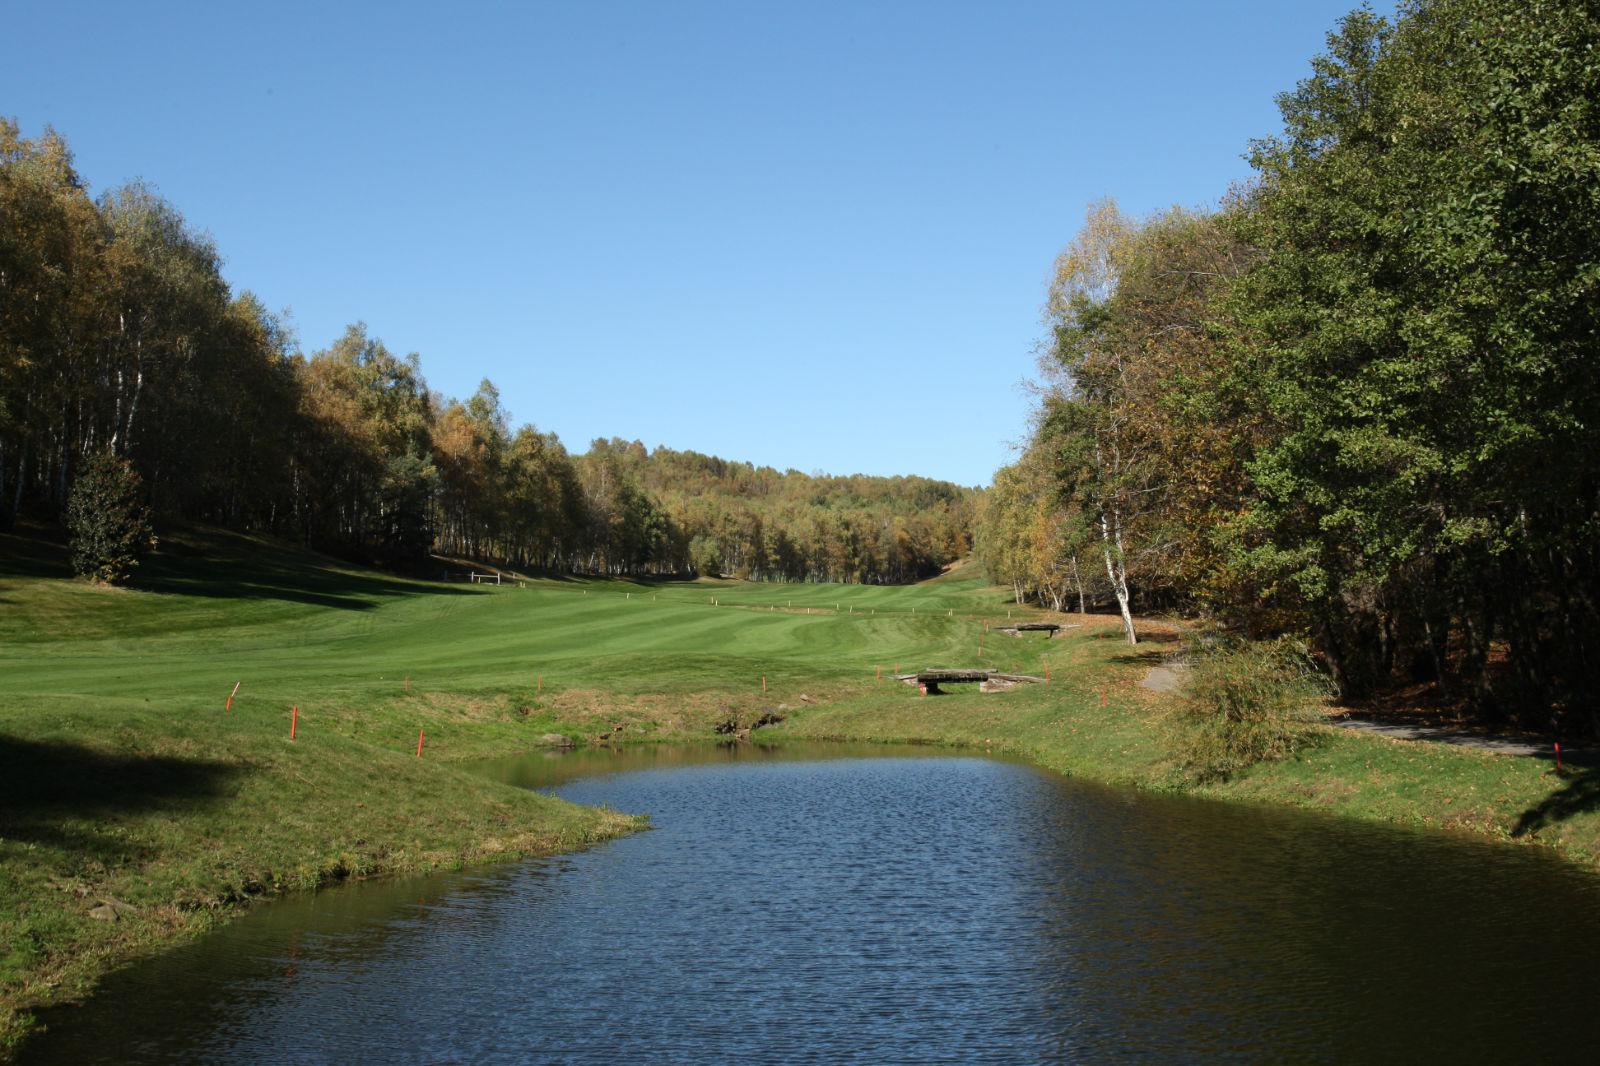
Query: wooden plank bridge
(992,680)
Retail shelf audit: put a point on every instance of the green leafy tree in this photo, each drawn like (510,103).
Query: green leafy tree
(108,520)
(1422,328)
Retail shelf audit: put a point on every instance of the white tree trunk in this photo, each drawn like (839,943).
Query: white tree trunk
(1116,569)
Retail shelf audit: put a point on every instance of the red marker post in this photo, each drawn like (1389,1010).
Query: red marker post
(419,742)
(1558,756)
(294,719)
(229,705)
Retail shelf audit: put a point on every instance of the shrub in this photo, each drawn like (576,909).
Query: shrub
(107,519)
(1244,703)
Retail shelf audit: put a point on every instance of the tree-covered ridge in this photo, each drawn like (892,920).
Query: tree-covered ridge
(757,522)
(119,335)
(1361,401)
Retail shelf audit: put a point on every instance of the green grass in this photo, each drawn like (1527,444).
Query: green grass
(1130,741)
(123,779)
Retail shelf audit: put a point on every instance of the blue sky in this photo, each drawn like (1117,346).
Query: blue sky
(806,235)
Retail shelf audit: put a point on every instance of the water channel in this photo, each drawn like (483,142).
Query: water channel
(836,904)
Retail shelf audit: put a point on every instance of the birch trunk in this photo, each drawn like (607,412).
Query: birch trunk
(1116,570)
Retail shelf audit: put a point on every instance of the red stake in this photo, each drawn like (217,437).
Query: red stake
(294,720)
(419,743)
(229,705)
(1558,756)
(1102,697)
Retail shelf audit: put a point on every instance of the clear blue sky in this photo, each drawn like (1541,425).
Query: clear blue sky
(809,235)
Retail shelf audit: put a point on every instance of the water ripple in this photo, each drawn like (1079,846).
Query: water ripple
(895,910)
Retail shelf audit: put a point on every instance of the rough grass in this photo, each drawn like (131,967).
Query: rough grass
(126,787)
(1245,703)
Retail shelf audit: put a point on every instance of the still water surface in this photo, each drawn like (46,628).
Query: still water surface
(833,904)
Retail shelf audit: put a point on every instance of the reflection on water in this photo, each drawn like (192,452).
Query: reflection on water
(903,907)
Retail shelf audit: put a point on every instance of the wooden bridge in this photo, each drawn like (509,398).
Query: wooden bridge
(930,680)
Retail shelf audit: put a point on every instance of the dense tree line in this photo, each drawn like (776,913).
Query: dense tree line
(119,336)
(756,522)
(1361,400)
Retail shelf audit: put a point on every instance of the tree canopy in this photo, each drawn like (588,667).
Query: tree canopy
(119,336)
(1360,399)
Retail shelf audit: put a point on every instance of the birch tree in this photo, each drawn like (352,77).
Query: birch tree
(1088,407)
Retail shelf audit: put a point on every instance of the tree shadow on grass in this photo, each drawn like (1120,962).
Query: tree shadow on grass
(217,563)
(1148,657)
(1579,795)
(296,583)
(33,556)
(52,792)
(1149,633)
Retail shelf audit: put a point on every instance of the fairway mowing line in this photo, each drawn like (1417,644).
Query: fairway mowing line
(840,609)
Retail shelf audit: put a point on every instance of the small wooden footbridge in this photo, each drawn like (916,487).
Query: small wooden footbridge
(986,680)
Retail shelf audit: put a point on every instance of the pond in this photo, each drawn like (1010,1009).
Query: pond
(877,905)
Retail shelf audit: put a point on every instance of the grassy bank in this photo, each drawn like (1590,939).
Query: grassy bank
(1096,721)
(135,810)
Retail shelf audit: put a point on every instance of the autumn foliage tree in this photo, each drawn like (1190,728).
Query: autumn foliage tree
(119,334)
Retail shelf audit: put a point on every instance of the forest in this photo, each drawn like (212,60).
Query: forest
(1357,402)
(119,334)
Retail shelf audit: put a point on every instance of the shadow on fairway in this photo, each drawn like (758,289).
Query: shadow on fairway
(53,792)
(225,565)
(216,563)
(32,556)
(1579,795)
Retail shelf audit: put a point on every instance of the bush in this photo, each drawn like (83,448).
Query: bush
(1247,703)
(108,521)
